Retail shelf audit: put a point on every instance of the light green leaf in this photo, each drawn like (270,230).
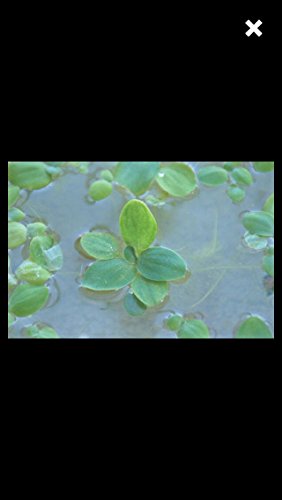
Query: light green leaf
(11,319)
(107,175)
(269,205)
(129,255)
(12,281)
(99,190)
(133,306)
(102,246)
(37,247)
(15,215)
(253,328)
(236,194)
(212,176)
(29,175)
(242,176)
(230,165)
(38,332)
(138,225)
(264,166)
(13,195)
(108,275)
(154,201)
(32,273)
(27,299)
(268,263)
(194,329)
(54,171)
(260,223)
(151,293)
(36,229)
(177,179)
(54,258)
(16,234)
(161,264)
(136,176)
(174,322)
(254,241)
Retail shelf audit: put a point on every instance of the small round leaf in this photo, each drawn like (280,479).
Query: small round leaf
(100,190)
(236,194)
(260,223)
(253,328)
(177,179)
(212,176)
(38,332)
(133,306)
(29,175)
(194,329)
(242,176)
(17,234)
(32,273)
(106,175)
(174,322)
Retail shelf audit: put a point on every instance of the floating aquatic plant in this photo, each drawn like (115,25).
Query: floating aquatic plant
(40,331)
(26,299)
(253,327)
(188,328)
(146,271)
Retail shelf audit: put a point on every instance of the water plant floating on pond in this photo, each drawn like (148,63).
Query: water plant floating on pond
(190,328)
(132,263)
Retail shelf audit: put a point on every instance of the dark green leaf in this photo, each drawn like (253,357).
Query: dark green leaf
(108,275)
(133,306)
(129,255)
(151,293)
(136,176)
(161,264)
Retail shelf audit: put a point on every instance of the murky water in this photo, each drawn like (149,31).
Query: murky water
(227,278)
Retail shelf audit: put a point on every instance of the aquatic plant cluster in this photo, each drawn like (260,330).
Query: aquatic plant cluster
(129,261)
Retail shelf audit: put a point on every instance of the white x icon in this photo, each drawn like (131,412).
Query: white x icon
(253,28)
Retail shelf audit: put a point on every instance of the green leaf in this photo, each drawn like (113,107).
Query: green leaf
(37,247)
(108,275)
(253,328)
(29,175)
(242,176)
(54,171)
(28,299)
(236,194)
(99,190)
(254,241)
(264,166)
(129,255)
(260,223)
(154,201)
(32,273)
(36,229)
(194,329)
(177,179)
(212,176)
(269,205)
(174,322)
(133,306)
(268,264)
(44,332)
(12,281)
(161,264)
(53,258)
(11,319)
(13,195)
(136,176)
(102,246)
(16,234)
(138,225)
(15,215)
(151,293)
(107,175)
(230,165)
